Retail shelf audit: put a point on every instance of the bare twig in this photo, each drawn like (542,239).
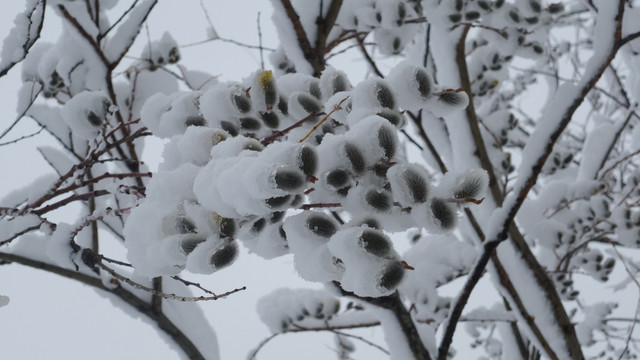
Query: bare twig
(162,294)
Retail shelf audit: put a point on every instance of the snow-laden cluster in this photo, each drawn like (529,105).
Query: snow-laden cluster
(244,158)
(284,308)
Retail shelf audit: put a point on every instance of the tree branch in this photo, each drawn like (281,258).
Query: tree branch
(164,323)
(28,41)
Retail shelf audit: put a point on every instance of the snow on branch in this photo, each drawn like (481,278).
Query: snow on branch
(23,36)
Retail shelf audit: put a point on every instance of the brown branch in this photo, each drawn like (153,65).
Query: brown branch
(518,240)
(84,34)
(70,199)
(564,325)
(271,138)
(164,323)
(417,121)
(337,107)
(115,23)
(394,304)
(324,28)
(29,42)
(161,294)
(368,58)
(301,35)
(319,205)
(20,233)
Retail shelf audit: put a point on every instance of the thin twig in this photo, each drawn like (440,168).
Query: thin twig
(162,294)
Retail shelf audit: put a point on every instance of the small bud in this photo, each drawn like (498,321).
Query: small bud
(340,83)
(535,6)
(283,106)
(268,85)
(380,200)
(307,160)
(444,213)
(424,81)
(338,178)
(289,179)
(270,119)
(384,95)
(218,137)
(472,15)
(184,225)
(375,242)
(555,8)
(455,17)
(454,99)
(416,184)
(224,256)
(394,116)
(242,102)
(371,223)
(314,89)
(355,157)
(387,141)
(195,120)
(94,119)
(322,225)
(484,5)
(392,275)
(278,201)
(188,242)
(250,123)
(471,185)
(276,216)
(229,127)
(513,14)
(252,145)
(309,103)
(227,227)
(537,48)
(174,55)
(258,226)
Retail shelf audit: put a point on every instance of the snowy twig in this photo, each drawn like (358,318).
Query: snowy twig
(115,23)
(24,111)
(70,199)
(22,137)
(190,283)
(162,294)
(337,107)
(164,323)
(417,121)
(368,58)
(271,138)
(8,62)
(394,304)
(334,329)
(84,34)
